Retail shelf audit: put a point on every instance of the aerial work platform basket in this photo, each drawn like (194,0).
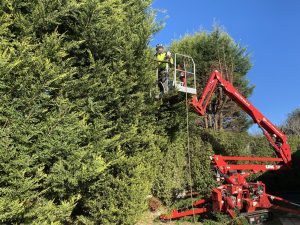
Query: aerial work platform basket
(184,74)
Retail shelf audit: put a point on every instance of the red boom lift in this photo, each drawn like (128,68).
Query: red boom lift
(237,195)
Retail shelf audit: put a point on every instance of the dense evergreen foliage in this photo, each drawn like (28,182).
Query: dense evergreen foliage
(78,141)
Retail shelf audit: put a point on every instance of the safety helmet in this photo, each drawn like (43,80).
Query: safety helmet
(159,46)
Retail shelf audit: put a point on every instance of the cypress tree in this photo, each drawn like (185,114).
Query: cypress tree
(78,135)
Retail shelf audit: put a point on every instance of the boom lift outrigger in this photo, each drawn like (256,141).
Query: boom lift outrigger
(238,195)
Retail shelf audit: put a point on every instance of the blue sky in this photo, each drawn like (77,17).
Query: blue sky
(270,29)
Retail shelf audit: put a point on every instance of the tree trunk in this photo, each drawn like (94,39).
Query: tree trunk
(221,121)
(216,121)
(209,120)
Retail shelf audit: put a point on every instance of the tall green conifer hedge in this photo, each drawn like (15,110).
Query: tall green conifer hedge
(78,142)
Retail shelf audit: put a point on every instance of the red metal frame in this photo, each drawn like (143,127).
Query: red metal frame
(220,164)
(238,195)
(280,144)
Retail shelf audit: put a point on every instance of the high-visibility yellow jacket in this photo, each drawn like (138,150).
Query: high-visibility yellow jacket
(163,60)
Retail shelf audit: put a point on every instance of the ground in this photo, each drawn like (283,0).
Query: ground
(150,218)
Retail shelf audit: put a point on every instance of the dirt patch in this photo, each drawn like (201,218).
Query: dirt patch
(151,218)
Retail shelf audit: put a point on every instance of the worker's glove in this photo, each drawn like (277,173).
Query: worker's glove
(169,54)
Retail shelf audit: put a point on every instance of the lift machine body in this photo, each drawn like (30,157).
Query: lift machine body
(238,196)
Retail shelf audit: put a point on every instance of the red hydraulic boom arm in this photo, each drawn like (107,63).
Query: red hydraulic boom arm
(277,139)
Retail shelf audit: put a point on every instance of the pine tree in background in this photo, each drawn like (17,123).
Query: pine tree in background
(292,124)
(78,135)
(217,50)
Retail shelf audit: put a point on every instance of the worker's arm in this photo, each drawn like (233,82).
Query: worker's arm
(171,61)
(162,61)
(169,57)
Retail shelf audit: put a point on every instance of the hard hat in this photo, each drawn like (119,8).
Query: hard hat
(159,46)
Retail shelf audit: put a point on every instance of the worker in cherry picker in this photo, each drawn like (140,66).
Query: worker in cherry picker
(164,62)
